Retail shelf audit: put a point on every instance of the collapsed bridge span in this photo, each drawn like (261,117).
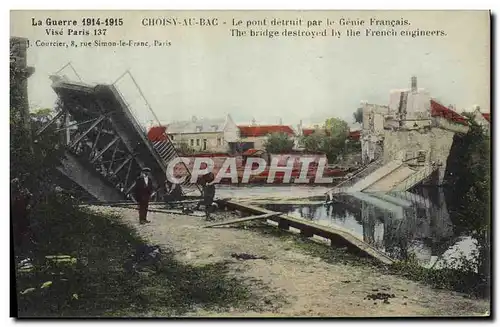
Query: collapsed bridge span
(106,147)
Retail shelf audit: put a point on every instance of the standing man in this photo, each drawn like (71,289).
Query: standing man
(143,190)
(208,193)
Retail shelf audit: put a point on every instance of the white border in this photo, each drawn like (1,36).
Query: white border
(199,4)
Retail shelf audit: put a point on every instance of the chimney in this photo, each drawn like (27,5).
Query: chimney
(414,84)
(193,119)
(253,122)
(281,121)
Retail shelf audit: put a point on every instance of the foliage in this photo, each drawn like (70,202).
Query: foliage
(459,274)
(102,246)
(358,116)
(278,143)
(337,128)
(470,175)
(331,141)
(314,142)
(32,158)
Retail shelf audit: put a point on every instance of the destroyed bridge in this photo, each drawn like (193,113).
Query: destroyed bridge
(106,147)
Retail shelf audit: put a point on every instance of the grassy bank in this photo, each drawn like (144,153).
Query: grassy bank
(463,280)
(98,284)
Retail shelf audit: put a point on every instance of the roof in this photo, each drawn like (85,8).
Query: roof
(355,135)
(310,131)
(157,133)
(487,117)
(263,130)
(438,110)
(307,131)
(251,152)
(196,126)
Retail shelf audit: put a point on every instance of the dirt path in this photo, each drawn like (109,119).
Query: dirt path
(311,286)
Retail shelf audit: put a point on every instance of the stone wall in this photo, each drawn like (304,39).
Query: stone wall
(435,143)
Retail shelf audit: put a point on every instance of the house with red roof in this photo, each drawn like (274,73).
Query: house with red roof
(353,135)
(199,134)
(447,118)
(255,136)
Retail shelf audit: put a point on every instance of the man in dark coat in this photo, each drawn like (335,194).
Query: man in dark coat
(143,190)
(208,193)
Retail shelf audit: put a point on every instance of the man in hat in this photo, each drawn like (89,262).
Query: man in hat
(143,190)
(208,193)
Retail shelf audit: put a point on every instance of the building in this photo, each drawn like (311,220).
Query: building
(255,136)
(482,119)
(204,135)
(414,128)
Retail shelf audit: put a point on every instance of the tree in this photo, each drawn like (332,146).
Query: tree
(469,175)
(314,142)
(278,143)
(331,140)
(334,145)
(337,128)
(358,116)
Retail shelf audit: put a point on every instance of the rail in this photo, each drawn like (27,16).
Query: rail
(163,146)
(414,179)
(370,168)
(342,186)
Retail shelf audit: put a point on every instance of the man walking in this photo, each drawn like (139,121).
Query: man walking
(143,190)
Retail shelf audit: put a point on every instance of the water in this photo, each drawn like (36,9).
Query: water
(258,192)
(399,224)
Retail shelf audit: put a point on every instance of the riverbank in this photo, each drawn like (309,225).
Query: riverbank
(289,280)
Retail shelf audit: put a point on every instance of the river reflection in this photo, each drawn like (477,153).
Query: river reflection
(398,224)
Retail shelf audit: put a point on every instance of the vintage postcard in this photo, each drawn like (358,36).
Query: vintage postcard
(250,163)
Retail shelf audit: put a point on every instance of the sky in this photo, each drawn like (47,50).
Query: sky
(208,73)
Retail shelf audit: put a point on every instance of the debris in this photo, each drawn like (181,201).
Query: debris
(234,221)
(46,284)
(345,281)
(379,296)
(145,255)
(28,290)
(246,256)
(62,259)
(74,296)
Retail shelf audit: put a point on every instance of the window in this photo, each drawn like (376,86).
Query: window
(421,156)
(172,137)
(191,142)
(219,141)
(197,142)
(204,144)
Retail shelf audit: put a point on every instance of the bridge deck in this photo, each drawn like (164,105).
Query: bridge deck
(337,235)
